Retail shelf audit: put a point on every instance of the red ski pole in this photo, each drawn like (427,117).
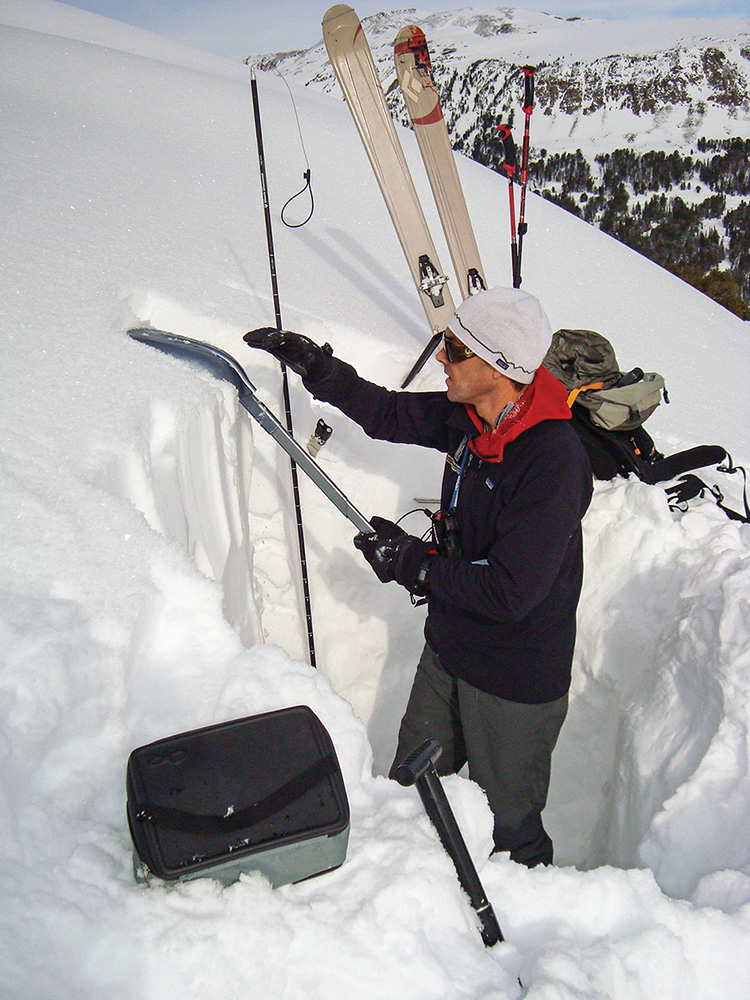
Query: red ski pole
(510,168)
(528,107)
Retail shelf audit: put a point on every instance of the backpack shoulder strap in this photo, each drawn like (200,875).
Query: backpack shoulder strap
(690,486)
(574,393)
(731,468)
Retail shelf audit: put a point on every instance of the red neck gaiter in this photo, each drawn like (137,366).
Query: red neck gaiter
(545,399)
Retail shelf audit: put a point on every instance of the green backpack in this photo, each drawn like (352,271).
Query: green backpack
(608,409)
(585,362)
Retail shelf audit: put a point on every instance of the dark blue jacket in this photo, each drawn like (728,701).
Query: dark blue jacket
(503,616)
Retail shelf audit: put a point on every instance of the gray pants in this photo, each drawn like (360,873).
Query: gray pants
(508,746)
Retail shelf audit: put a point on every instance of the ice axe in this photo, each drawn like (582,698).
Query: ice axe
(419,769)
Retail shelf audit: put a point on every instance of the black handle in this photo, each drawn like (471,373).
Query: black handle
(419,769)
(629,378)
(528,100)
(419,761)
(509,147)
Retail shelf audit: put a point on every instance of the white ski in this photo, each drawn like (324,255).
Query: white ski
(355,70)
(414,71)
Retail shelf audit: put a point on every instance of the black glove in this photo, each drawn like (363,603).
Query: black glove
(301,354)
(394,555)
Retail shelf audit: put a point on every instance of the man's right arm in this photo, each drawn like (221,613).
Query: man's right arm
(402,417)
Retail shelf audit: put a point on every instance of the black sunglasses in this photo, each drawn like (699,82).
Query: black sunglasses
(455,351)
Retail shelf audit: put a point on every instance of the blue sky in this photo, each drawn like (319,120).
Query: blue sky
(235,28)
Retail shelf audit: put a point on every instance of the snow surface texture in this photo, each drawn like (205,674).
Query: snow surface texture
(150,582)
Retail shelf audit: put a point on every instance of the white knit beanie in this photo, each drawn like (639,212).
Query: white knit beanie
(505,327)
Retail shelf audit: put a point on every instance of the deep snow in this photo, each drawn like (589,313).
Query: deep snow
(150,583)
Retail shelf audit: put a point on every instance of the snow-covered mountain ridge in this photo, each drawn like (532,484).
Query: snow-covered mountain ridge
(652,84)
(637,89)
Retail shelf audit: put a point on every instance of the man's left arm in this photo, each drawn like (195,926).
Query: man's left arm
(532,535)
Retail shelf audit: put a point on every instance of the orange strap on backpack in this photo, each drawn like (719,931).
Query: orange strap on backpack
(573,395)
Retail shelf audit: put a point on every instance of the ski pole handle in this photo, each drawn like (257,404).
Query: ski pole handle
(509,148)
(528,100)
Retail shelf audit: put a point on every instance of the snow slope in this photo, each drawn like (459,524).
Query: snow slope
(149,583)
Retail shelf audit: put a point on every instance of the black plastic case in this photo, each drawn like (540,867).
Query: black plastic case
(263,794)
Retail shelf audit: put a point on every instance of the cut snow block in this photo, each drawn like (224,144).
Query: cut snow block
(262,794)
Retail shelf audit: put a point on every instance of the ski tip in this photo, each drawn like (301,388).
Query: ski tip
(341,29)
(338,12)
(408,37)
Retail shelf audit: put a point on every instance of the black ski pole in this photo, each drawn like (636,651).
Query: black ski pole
(419,769)
(528,107)
(284,378)
(509,148)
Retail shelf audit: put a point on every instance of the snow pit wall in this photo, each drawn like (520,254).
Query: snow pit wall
(652,766)
(190,477)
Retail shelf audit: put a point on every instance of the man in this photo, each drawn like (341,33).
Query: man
(503,574)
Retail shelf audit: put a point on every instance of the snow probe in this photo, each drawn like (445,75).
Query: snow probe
(284,379)
(224,366)
(419,769)
(528,107)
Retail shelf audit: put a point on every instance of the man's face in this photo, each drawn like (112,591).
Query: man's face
(469,380)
